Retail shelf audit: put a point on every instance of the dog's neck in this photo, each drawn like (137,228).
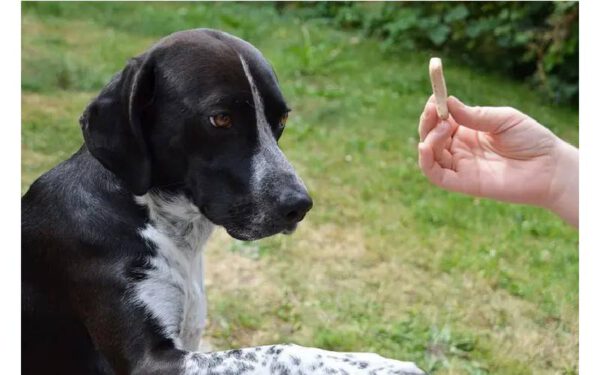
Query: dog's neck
(173,289)
(178,218)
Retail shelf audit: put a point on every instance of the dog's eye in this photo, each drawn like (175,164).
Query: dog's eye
(283,120)
(222,120)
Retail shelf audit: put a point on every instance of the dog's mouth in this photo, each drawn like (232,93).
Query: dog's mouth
(249,225)
(291,229)
(254,233)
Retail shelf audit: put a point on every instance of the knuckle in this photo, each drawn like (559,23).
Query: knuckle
(513,117)
(510,110)
(479,111)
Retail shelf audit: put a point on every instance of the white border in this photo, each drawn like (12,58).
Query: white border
(10,165)
(589,135)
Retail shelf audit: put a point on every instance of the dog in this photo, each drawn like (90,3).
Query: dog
(183,139)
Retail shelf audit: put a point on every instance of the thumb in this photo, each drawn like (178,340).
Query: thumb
(487,119)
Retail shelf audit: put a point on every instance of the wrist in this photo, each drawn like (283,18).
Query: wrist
(563,198)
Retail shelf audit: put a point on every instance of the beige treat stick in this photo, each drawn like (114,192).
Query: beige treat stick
(439,87)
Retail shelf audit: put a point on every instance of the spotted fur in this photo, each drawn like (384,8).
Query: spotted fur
(294,360)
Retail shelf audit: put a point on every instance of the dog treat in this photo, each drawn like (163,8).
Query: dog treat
(439,87)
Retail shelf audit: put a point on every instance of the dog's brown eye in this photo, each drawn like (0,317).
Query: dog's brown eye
(283,120)
(221,121)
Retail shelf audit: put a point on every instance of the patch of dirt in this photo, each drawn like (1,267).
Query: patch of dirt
(228,271)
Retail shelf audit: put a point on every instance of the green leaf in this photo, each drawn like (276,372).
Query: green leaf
(458,13)
(439,34)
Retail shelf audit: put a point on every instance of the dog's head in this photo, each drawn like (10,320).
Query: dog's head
(200,113)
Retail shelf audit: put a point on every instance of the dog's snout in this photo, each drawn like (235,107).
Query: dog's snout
(295,206)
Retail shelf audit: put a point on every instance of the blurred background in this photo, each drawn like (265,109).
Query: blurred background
(384,262)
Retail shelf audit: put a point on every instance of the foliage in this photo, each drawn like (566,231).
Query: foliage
(538,41)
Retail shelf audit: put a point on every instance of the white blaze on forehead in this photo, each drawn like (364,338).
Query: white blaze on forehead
(259,161)
(261,119)
(269,160)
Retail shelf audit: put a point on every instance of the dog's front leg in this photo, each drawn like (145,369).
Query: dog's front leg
(133,342)
(291,360)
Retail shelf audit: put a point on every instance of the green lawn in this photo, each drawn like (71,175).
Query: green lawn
(384,262)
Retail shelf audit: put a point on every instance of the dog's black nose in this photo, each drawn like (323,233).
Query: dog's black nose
(295,206)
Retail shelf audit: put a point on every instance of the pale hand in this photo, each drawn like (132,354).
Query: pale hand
(499,153)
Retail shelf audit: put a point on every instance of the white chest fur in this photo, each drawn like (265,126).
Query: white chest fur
(173,290)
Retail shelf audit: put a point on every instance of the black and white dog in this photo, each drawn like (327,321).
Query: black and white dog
(183,139)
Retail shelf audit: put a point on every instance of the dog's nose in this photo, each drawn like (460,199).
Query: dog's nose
(295,206)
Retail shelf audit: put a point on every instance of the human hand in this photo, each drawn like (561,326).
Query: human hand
(499,153)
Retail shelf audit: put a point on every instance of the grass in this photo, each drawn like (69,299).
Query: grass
(384,262)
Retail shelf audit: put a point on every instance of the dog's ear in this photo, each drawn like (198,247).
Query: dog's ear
(113,127)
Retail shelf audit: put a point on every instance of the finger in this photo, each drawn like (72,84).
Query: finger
(444,158)
(488,119)
(431,99)
(442,177)
(438,137)
(454,124)
(425,157)
(442,154)
(428,120)
(455,127)
(448,144)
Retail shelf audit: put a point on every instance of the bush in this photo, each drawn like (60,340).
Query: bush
(536,41)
